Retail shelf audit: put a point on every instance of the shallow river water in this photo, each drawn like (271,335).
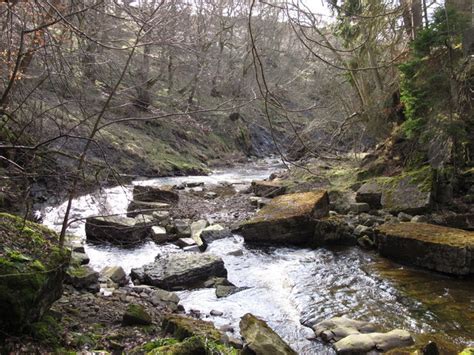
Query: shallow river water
(288,286)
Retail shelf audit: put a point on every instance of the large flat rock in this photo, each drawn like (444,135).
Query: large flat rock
(438,248)
(180,271)
(116,229)
(287,219)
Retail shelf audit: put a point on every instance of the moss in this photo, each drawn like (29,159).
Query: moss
(47,331)
(194,346)
(183,327)
(32,267)
(158,343)
(289,206)
(430,233)
(136,315)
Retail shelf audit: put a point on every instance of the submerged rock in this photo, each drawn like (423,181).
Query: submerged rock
(268,188)
(260,338)
(159,235)
(155,194)
(287,219)
(180,271)
(358,337)
(430,246)
(116,230)
(334,329)
(364,343)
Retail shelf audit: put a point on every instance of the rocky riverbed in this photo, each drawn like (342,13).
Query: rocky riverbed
(291,288)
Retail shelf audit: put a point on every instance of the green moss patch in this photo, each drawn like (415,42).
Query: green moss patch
(290,206)
(31,271)
(430,233)
(184,327)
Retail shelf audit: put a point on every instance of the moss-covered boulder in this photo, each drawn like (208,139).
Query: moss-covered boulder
(163,194)
(136,314)
(261,339)
(32,270)
(117,230)
(410,192)
(438,248)
(83,278)
(181,327)
(287,219)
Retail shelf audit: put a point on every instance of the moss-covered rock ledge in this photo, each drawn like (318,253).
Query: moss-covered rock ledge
(438,248)
(287,219)
(32,270)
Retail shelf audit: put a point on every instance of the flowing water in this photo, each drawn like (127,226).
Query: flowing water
(290,286)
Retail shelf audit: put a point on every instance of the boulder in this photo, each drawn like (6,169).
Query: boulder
(215,232)
(136,207)
(180,271)
(32,271)
(370,193)
(351,336)
(79,258)
(359,207)
(159,296)
(155,194)
(116,230)
(227,290)
(267,188)
(364,343)
(461,220)
(332,231)
(181,228)
(136,315)
(287,219)
(83,278)
(159,235)
(410,192)
(335,329)
(260,338)
(438,248)
(115,274)
(196,230)
(186,242)
(182,327)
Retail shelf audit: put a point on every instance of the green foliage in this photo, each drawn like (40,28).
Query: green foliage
(428,79)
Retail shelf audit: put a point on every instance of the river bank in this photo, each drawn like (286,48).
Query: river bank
(286,286)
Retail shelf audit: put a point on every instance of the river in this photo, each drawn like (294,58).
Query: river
(288,286)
